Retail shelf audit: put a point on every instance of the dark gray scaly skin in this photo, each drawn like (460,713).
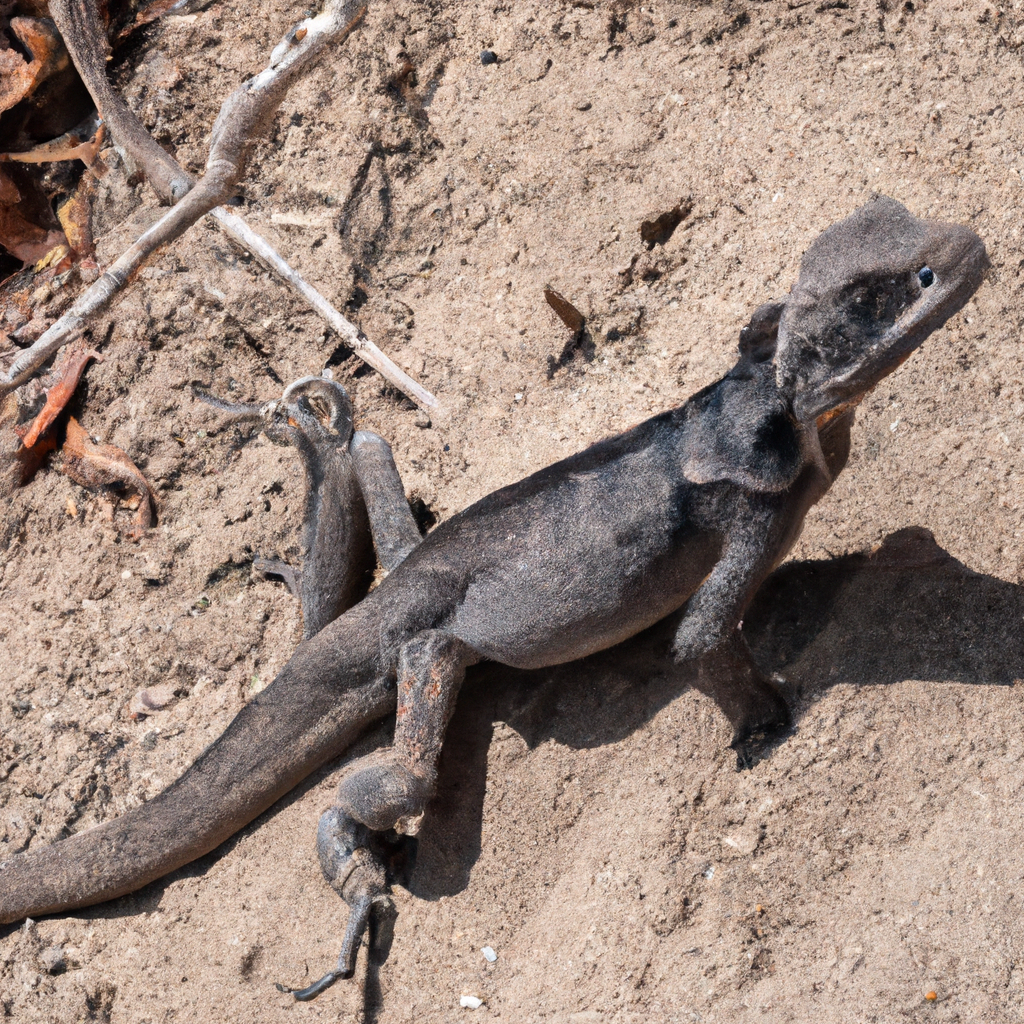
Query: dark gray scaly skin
(334,518)
(395,532)
(340,468)
(693,507)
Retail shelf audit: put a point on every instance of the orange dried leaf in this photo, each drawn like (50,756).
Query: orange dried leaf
(75,217)
(68,372)
(42,40)
(18,77)
(105,465)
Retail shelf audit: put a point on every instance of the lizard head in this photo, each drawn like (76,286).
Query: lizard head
(871,289)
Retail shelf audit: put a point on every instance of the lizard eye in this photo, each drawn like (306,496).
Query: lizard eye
(926,276)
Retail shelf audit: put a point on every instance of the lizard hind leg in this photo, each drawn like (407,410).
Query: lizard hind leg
(394,529)
(383,795)
(390,789)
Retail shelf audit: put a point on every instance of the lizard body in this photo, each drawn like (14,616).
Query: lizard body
(691,508)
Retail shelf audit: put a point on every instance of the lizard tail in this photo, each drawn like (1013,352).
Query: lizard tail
(308,715)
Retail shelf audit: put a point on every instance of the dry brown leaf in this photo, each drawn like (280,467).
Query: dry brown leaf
(68,371)
(565,310)
(21,236)
(18,77)
(75,217)
(9,194)
(105,465)
(24,240)
(58,259)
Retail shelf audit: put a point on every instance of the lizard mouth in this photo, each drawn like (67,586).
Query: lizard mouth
(844,407)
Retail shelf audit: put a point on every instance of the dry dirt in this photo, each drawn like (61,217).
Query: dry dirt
(591,826)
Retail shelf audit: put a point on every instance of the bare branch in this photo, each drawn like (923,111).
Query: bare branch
(359,342)
(243,118)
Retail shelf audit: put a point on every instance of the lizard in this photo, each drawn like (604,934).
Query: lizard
(689,511)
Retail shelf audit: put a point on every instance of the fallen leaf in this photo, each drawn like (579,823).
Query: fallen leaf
(23,214)
(9,194)
(75,217)
(18,77)
(565,310)
(58,258)
(68,371)
(105,465)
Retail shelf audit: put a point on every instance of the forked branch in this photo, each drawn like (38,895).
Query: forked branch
(243,119)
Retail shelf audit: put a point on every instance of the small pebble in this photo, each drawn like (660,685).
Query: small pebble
(52,960)
(930,996)
(422,419)
(488,57)
(471,1002)
(153,698)
(489,955)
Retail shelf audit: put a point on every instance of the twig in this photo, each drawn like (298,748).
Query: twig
(359,342)
(243,118)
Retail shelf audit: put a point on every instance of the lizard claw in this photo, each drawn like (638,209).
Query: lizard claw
(358,919)
(355,861)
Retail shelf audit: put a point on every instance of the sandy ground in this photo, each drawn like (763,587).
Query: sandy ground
(591,825)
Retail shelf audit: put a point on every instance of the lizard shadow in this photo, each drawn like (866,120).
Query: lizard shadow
(906,611)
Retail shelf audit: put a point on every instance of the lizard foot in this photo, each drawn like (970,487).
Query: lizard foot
(358,863)
(764,713)
(752,702)
(383,792)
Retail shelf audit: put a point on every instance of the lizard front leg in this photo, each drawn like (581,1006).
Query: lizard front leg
(394,529)
(710,634)
(384,795)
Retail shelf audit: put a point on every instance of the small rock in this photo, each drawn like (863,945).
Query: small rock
(153,698)
(488,57)
(52,960)
(422,419)
(148,742)
(471,1002)
(489,955)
